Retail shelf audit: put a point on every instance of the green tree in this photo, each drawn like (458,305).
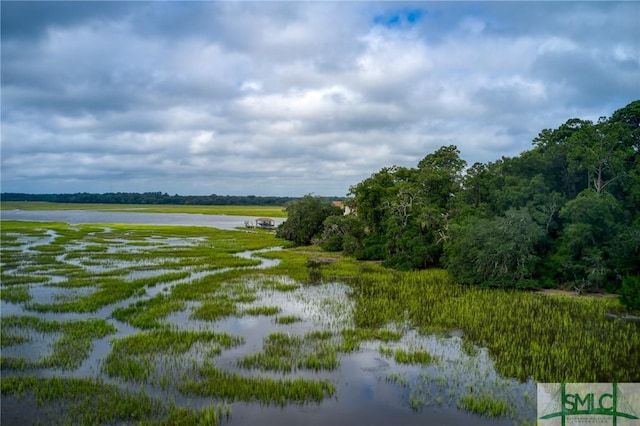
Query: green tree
(599,152)
(305,219)
(342,233)
(593,222)
(495,252)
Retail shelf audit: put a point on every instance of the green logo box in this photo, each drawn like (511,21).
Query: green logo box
(588,404)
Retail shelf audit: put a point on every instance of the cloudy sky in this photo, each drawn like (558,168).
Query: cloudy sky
(284,98)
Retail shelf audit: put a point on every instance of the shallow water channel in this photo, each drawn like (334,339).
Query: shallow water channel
(372,388)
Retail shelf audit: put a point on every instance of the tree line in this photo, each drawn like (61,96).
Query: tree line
(565,213)
(151,198)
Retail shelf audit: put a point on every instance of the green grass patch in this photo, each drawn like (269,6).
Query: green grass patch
(262,310)
(484,405)
(286,353)
(216,308)
(148,313)
(288,319)
(15,294)
(528,335)
(412,357)
(8,339)
(82,401)
(68,352)
(352,337)
(218,383)
(135,357)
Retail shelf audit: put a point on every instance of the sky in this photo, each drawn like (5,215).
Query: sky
(291,98)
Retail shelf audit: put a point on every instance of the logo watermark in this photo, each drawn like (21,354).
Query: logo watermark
(562,404)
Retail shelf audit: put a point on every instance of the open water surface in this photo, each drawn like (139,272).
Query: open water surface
(95,216)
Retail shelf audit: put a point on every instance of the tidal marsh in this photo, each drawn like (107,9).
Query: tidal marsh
(194,323)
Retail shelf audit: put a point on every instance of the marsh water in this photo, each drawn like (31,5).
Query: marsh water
(140,218)
(372,389)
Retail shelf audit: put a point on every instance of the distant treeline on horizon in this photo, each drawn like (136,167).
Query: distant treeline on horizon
(153,198)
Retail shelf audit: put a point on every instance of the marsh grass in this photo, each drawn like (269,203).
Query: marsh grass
(215,382)
(148,313)
(8,339)
(15,294)
(68,352)
(412,357)
(287,319)
(283,287)
(262,310)
(402,356)
(216,308)
(89,401)
(207,416)
(528,335)
(285,353)
(352,338)
(15,279)
(484,405)
(138,357)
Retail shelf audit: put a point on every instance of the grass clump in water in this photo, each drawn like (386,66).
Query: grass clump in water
(82,401)
(88,401)
(136,357)
(352,337)
(148,313)
(262,310)
(286,353)
(287,319)
(412,357)
(208,416)
(216,308)
(231,386)
(484,405)
(14,294)
(68,352)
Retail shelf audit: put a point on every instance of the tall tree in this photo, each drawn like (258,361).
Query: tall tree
(305,219)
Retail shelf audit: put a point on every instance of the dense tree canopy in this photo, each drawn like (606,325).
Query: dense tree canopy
(565,213)
(305,219)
